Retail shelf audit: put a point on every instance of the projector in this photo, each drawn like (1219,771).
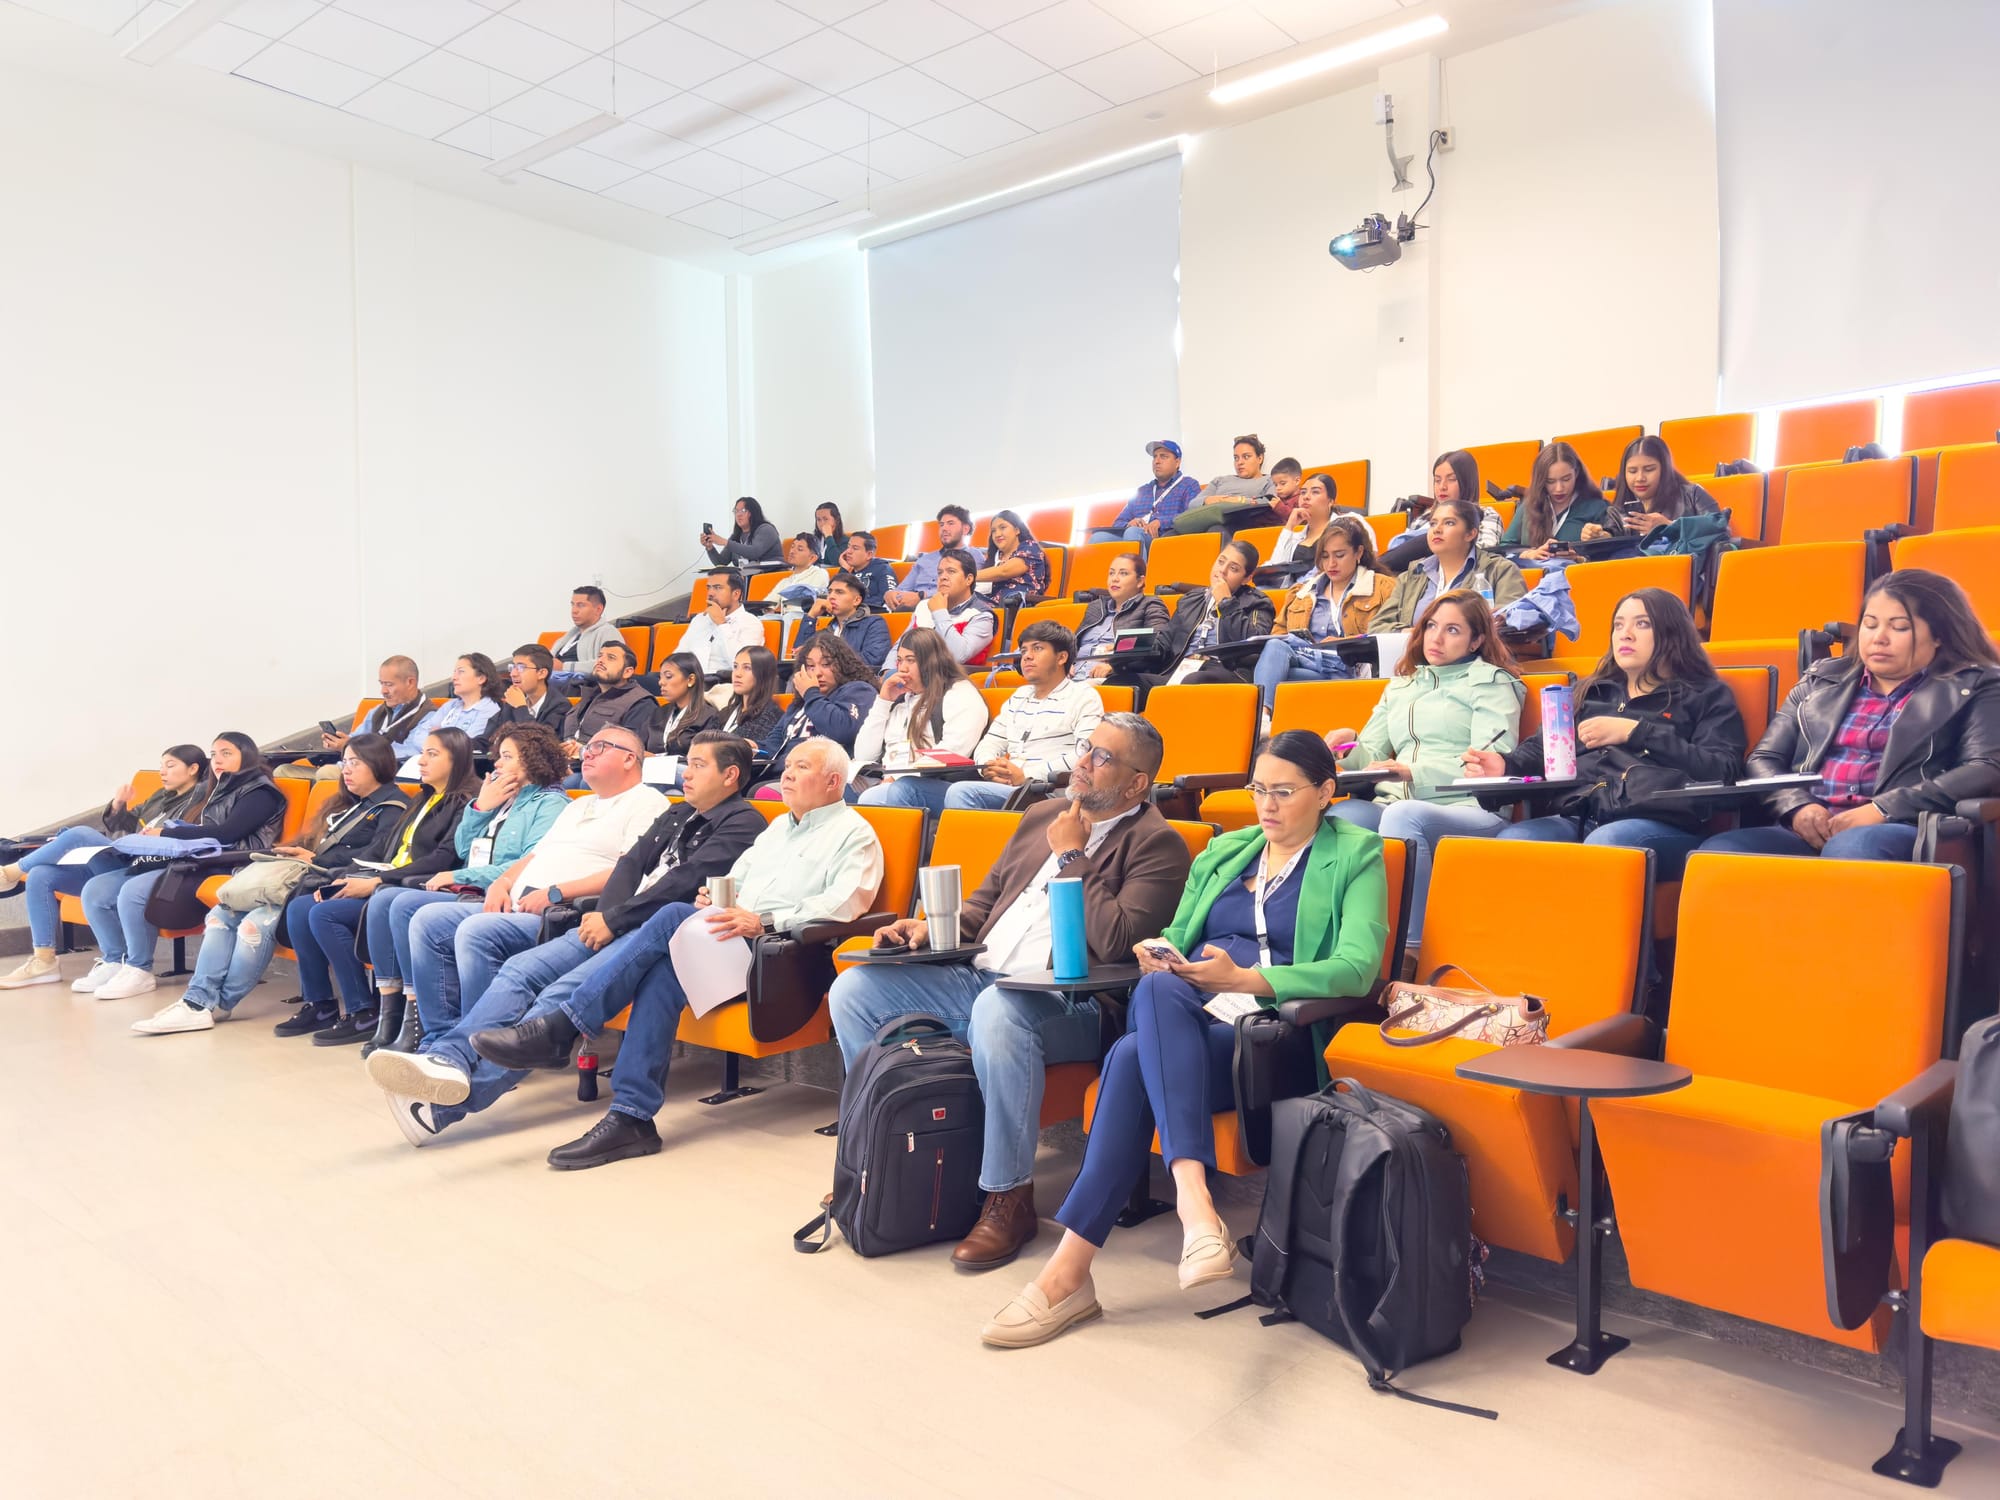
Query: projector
(1374,242)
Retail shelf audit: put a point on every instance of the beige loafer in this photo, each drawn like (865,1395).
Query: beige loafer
(1029,1319)
(1208,1257)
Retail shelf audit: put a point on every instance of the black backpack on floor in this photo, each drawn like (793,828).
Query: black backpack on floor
(1366,1231)
(912,1129)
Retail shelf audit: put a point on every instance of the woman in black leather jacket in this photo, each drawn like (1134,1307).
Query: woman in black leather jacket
(1907,722)
(1231,608)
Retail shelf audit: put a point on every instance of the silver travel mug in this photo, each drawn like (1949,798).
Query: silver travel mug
(938,887)
(721,891)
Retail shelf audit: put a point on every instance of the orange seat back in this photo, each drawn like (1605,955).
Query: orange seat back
(1058,560)
(1090,564)
(1504,509)
(1839,502)
(927,539)
(889,540)
(901,831)
(1816,434)
(774,636)
(548,639)
(1763,995)
(1504,464)
(1968,488)
(1194,835)
(1209,728)
(1970,557)
(1958,414)
(1531,705)
(1069,616)
(697,597)
(1351,481)
(666,641)
(1769,593)
(1263,538)
(1052,524)
(1756,692)
(1595,589)
(761,585)
(1322,707)
(1182,559)
(972,840)
(1701,444)
(1742,495)
(1602,448)
(1101,513)
(1387,527)
(995,697)
(362,710)
(1396,872)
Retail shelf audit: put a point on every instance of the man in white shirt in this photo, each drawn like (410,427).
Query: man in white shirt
(807,581)
(962,617)
(1134,867)
(457,948)
(724,628)
(820,862)
(587,633)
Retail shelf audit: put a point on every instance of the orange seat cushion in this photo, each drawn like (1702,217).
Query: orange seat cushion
(1962,1293)
(1066,1087)
(1520,1154)
(1230,1155)
(1717,1193)
(727,1029)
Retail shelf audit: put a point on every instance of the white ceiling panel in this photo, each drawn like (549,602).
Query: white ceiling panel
(832,123)
(730,220)
(909,29)
(406,109)
(982,67)
(1132,72)
(637,146)
(360,44)
(691,118)
(1224,39)
(623,90)
(142,18)
(831,61)
(992,13)
(1308,20)
(904,154)
(1049,101)
(779,199)
(905,96)
(1068,33)
(590,24)
(493,139)
(709,172)
(1154,16)
(460,81)
(223,47)
(655,194)
(433,21)
(105,16)
(678,56)
(273,18)
(754,89)
(581,169)
(317,78)
(666,10)
(973,129)
(826,12)
(768,149)
(506,44)
(543,112)
(839,177)
(750,27)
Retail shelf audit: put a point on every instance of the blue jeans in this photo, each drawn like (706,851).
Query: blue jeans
(322,934)
(115,904)
(984,795)
(1670,845)
(1284,659)
(1882,841)
(1014,1036)
(1420,825)
(389,912)
(455,951)
(1115,534)
(1171,1072)
(236,949)
(45,879)
(906,791)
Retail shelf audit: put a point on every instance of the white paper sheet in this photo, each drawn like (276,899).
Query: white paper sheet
(1231,1004)
(713,973)
(661,770)
(81,855)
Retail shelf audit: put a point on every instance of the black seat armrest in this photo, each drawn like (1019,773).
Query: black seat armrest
(1627,1035)
(1333,1010)
(826,934)
(1980,809)
(1922,1103)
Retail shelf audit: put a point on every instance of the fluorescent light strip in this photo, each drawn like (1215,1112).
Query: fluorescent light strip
(174,33)
(555,145)
(1326,62)
(780,238)
(1152,150)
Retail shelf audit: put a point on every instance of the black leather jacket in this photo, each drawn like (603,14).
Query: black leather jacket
(1943,749)
(1245,613)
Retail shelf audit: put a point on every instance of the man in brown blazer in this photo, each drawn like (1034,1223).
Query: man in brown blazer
(1134,867)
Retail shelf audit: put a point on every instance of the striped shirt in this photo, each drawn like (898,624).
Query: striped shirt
(1040,734)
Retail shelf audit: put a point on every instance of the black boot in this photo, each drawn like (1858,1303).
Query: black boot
(410,1035)
(389,1022)
(539,1042)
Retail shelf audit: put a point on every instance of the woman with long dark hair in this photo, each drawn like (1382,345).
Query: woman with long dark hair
(1454,476)
(829,535)
(684,711)
(925,704)
(1652,492)
(1016,566)
(752,711)
(1908,722)
(1337,599)
(751,538)
(1650,719)
(1563,504)
(1231,608)
(1454,559)
(182,790)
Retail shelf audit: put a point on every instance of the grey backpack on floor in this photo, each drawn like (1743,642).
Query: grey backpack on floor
(912,1130)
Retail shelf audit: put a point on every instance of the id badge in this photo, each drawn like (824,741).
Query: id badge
(482,852)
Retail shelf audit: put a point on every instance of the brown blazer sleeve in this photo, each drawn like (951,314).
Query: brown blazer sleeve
(1132,884)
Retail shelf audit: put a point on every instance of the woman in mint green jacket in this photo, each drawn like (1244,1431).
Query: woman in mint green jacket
(1456,689)
(1295,907)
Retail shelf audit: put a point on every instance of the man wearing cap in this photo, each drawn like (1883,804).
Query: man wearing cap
(1152,510)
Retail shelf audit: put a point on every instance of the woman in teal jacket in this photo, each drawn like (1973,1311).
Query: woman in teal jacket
(520,799)
(1455,690)
(1295,907)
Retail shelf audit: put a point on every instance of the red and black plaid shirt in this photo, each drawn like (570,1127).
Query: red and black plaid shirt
(1854,762)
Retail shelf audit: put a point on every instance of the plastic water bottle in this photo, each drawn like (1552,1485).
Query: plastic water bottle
(1484,586)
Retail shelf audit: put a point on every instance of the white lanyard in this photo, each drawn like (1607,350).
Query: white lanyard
(1263,890)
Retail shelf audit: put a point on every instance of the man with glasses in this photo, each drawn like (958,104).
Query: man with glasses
(700,837)
(457,948)
(1133,866)
(528,699)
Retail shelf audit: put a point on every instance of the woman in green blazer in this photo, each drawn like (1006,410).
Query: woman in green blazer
(1293,908)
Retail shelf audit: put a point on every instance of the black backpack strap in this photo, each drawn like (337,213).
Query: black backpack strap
(1228,1307)
(802,1237)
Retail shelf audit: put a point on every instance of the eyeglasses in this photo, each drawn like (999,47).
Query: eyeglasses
(1279,796)
(604,747)
(1098,757)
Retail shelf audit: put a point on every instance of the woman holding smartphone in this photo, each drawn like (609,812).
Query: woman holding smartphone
(1296,906)
(1563,506)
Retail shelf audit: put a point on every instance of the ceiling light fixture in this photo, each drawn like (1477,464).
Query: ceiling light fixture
(780,238)
(174,33)
(1326,62)
(555,145)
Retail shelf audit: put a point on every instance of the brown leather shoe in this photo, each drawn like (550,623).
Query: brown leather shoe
(1005,1225)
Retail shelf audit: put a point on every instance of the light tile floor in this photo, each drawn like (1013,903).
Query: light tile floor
(230,1276)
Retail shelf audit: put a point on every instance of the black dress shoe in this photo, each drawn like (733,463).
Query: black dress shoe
(309,1019)
(538,1042)
(346,1032)
(390,1023)
(612,1138)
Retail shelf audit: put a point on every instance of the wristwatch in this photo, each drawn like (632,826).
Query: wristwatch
(1067,858)
(555,895)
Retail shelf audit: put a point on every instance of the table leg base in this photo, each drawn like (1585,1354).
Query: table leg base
(1924,1468)
(1139,1210)
(1587,1358)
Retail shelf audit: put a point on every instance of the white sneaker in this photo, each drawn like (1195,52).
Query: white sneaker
(100,973)
(126,983)
(39,969)
(413,1118)
(179,1016)
(431,1079)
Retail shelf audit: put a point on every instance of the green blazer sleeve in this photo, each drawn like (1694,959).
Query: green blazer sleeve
(1343,919)
(1516,534)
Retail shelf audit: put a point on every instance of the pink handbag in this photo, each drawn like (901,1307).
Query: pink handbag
(1477,1014)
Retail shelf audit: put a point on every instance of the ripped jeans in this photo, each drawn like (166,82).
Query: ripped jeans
(236,949)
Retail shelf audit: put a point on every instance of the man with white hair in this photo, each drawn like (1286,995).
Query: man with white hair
(817,862)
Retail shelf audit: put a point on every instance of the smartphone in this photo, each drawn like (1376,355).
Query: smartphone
(1165,952)
(327,726)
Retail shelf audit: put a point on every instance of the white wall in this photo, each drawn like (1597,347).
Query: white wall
(812,434)
(264,419)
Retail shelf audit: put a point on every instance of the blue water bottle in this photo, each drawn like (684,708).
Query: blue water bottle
(1066,931)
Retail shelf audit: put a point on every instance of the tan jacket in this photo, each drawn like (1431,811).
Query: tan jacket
(1371,592)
